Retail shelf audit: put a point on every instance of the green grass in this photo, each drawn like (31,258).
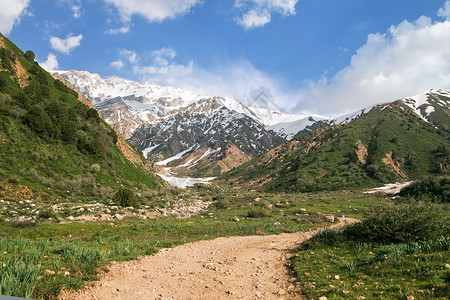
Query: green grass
(85,249)
(352,263)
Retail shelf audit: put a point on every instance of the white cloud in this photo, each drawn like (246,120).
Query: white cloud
(408,59)
(238,79)
(129,55)
(118,64)
(122,30)
(258,12)
(10,12)
(66,45)
(76,11)
(445,11)
(153,10)
(51,63)
(163,69)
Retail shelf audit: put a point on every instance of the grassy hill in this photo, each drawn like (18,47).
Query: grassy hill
(55,147)
(388,144)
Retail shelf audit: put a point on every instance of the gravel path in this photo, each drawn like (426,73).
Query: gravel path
(250,267)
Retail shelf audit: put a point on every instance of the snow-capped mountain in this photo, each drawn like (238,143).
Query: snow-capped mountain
(430,106)
(165,121)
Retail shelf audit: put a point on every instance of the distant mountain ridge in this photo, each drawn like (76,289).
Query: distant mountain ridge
(165,121)
(396,141)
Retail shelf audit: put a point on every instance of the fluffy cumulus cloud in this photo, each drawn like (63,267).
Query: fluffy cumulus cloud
(152,10)
(66,45)
(10,13)
(51,63)
(408,59)
(259,12)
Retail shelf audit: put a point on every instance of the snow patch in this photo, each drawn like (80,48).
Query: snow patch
(184,182)
(178,156)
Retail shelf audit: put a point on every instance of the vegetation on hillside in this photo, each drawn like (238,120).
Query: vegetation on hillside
(52,145)
(386,145)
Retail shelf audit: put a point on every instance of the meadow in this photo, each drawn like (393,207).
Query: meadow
(39,259)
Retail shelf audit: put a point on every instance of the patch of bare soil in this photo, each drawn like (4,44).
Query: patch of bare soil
(251,267)
(362,153)
(396,166)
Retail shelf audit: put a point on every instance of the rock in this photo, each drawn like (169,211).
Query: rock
(49,272)
(447,266)
(409,297)
(118,217)
(71,218)
(345,292)
(323,298)
(281,292)
(269,205)
(330,219)
(336,277)
(361,298)
(66,273)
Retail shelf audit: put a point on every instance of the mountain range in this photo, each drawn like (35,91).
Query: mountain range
(215,134)
(397,141)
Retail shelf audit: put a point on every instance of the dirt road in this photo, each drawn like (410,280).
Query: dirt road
(250,267)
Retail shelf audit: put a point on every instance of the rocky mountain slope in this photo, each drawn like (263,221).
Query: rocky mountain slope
(54,146)
(214,134)
(397,141)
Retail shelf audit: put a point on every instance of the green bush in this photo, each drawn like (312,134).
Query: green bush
(257,212)
(30,55)
(436,189)
(399,224)
(125,197)
(46,214)
(38,120)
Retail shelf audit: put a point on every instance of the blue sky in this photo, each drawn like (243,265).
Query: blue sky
(312,56)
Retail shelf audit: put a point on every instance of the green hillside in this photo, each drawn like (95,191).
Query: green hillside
(388,144)
(52,145)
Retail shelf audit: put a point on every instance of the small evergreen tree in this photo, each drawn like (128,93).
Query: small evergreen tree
(125,197)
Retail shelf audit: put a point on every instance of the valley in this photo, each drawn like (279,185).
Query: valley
(112,188)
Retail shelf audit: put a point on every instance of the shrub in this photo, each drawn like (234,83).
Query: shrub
(30,55)
(257,213)
(399,224)
(437,189)
(125,197)
(46,214)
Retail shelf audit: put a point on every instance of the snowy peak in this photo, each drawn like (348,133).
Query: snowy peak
(426,104)
(95,87)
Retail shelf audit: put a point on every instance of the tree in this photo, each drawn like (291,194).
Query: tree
(30,55)
(125,197)
(38,120)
